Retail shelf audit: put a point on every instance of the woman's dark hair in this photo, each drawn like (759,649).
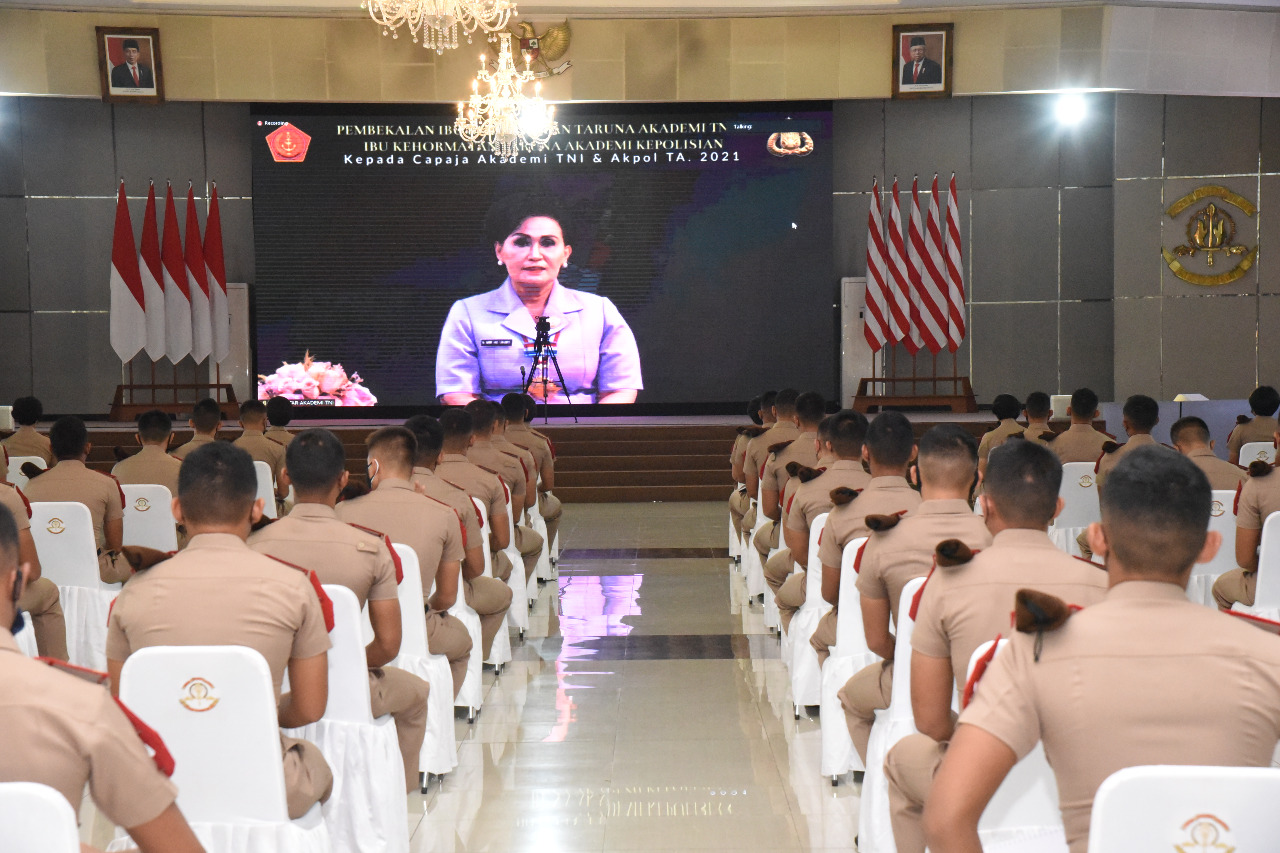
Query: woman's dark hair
(508,212)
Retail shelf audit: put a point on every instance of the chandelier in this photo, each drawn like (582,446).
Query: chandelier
(504,116)
(438,21)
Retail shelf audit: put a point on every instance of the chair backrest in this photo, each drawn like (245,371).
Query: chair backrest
(484,535)
(16,476)
(900,698)
(215,708)
(1079,493)
(63,531)
(35,818)
(1222,520)
(1195,808)
(148,517)
(813,566)
(850,635)
(1267,593)
(1257,451)
(348,667)
(413,615)
(266,488)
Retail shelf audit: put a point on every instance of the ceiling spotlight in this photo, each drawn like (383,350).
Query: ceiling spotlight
(1071,108)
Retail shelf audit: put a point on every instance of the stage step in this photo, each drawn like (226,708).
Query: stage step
(624,494)
(635,477)
(700,462)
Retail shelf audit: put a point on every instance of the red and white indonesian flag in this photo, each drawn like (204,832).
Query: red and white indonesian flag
(899,276)
(933,279)
(955,277)
(197,285)
(152,276)
(877,319)
(177,299)
(219,311)
(915,261)
(128,302)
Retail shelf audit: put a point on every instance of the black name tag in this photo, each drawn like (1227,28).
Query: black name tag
(496,342)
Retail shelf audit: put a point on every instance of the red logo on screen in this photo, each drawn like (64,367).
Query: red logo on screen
(288,144)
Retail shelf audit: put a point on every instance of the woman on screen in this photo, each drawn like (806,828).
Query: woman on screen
(488,338)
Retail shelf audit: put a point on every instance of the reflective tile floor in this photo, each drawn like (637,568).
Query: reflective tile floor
(646,710)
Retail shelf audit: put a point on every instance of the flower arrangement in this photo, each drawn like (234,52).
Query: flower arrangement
(315,380)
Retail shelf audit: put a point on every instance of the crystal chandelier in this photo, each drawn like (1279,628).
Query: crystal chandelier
(438,21)
(505,117)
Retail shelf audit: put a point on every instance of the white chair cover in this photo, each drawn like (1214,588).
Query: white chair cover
(806,675)
(545,570)
(148,517)
(517,617)
(1079,493)
(367,811)
(875,834)
(1222,518)
(35,818)
(226,747)
(752,568)
(1257,451)
(16,476)
(1141,809)
(735,544)
(772,615)
(1266,597)
(848,657)
(63,532)
(266,488)
(26,638)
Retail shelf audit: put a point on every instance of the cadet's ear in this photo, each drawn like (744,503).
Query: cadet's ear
(285,479)
(137,439)
(176,508)
(1212,542)
(1212,443)
(255,511)
(342,481)
(1097,539)
(1058,509)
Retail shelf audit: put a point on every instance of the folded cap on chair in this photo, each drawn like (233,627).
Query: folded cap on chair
(1260,468)
(141,558)
(883,523)
(953,552)
(1036,612)
(781,445)
(844,495)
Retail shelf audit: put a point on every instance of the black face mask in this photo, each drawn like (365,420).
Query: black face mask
(18,622)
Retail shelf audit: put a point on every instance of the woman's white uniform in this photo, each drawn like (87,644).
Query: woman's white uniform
(487,339)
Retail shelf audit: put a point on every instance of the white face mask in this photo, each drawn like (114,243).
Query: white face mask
(373,467)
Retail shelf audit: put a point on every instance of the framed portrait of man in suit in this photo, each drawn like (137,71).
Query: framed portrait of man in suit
(922,60)
(129,64)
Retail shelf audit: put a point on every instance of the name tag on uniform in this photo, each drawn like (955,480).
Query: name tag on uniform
(496,342)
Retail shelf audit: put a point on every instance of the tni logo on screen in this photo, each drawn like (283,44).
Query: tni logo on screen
(288,144)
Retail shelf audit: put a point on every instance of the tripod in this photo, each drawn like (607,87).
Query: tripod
(544,351)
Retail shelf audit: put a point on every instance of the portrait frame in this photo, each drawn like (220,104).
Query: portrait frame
(939,47)
(111,58)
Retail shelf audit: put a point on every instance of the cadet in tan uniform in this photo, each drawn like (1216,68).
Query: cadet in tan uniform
(528,464)
(1006,409)
(27,412)
(739,503)
(839,467)
(70,480)
(1190,437)
(428,440)
(1258,497)
(152,465)
(1143,677)
(767,422)
(313,537)
(219,592)
(279,414)
(783,429)
(1080,442)
(485,453)
(206,417)
(253,440)
(40,601)
(1263,403)
(803,450)
(484,486)
(519,409)
(1038,409)
(900,552)
(889,450)
(65,732)
(967,601)
(1141,414)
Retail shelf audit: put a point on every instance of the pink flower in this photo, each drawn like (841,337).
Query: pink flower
(315,380)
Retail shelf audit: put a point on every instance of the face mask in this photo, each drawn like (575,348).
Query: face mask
(18,622)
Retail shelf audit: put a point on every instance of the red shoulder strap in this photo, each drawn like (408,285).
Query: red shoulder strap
(386,540)
(119,489)
(857,559)
(790,501)
(978,670)
(1098,462)
(915,601)
(326,603)
(150,737)
(1235,507)
(27,503)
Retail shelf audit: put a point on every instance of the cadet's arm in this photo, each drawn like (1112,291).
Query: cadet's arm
(501,530)
(769,504)
(446,593)
(113,532)
(530,488)
(875,625)
(27,554)
(517,504)
(458,398)
(753,483)
(384,616)
(547,473)
(623,396)
(309,691)
(473,563)
(975,764)
(931,696)
(798,542)
(739,470)
(1247,542)
(167,833)
(113,670)
(830,584)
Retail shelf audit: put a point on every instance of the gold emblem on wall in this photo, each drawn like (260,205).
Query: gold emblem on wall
(1211,234)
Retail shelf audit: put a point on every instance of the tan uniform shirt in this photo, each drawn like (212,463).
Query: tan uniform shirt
(882,496)
(803,450)
(1258,429)
(149,466)
(454,497)
(1258,498)
(1107,461)
(964,606)
(64,732)
(27,442)
(996,436)
(428,526)
(313,537)
(522,436)
(901,554)
(70,480)
(475,481)
(196,441)
(219,592)
(809,500)
(1221,474)
(262,449)
(1079,443)
(528,462)
(12,499)
(758,447)
(279,434)
(1142,677)
(487,455)
(738,455)
(1033,434)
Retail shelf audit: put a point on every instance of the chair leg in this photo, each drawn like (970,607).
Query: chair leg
(471,715)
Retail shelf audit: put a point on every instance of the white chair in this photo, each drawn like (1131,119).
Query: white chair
(16,476)
(63,532)
(215,708)
(266,488)
(1152,809)
(875,834)
(849,656)
(752,567)
(35,818)
(772,615)
(1266,597)
(367,811)
(439,749)
(148,517)
(26,638)
(545,571)
(1257,451)
(1079,493)
(517,616)
(802,660)
(735,544)
(1023,815)
(1222,520)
